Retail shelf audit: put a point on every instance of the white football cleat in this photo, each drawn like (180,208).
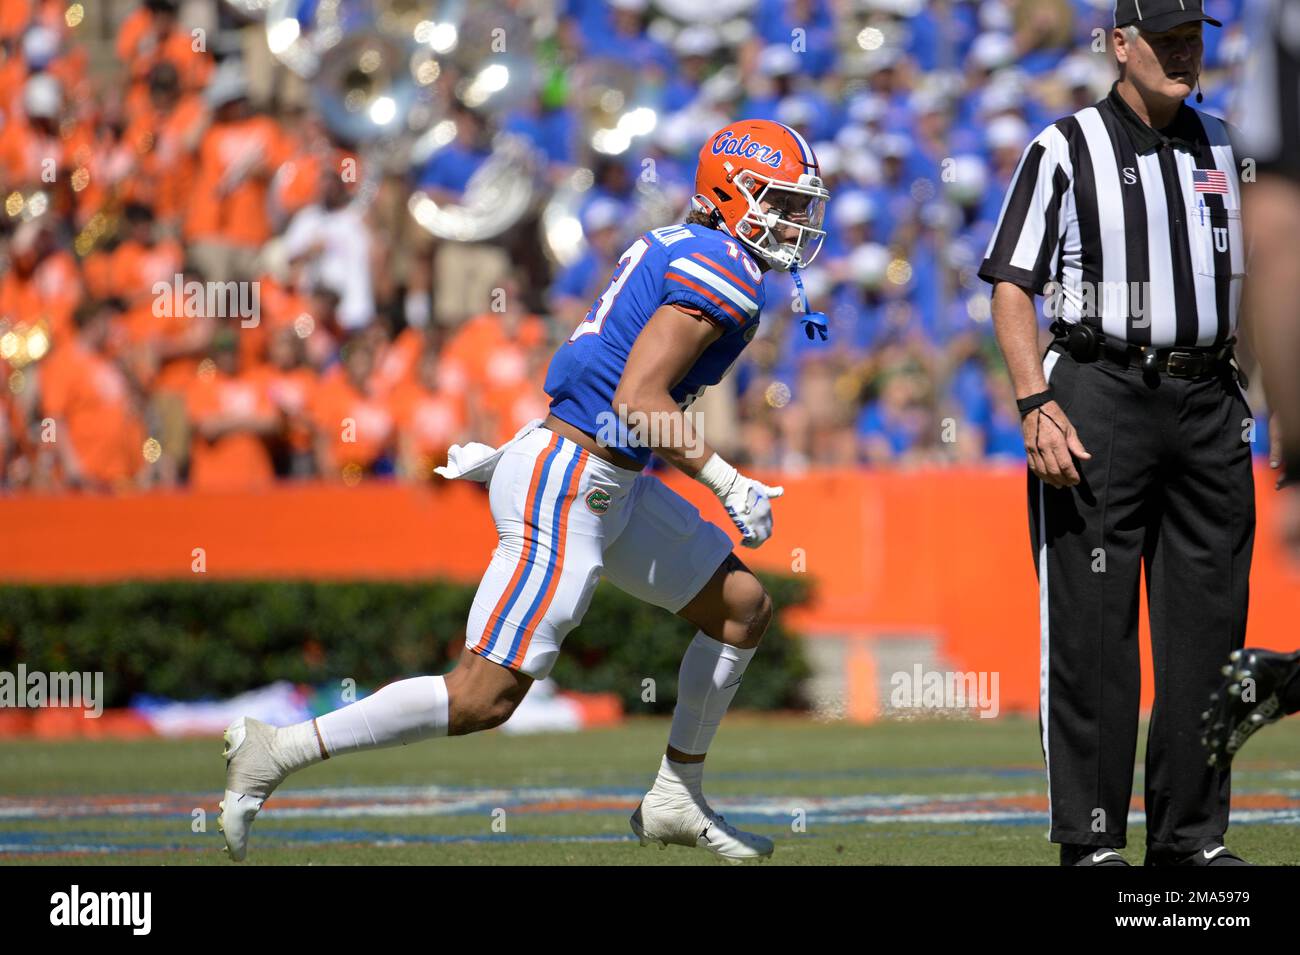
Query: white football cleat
(680,819)
(252,773)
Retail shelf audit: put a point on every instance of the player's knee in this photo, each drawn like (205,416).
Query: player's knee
(479,698)
(751,609)
(475,712)
(497,711)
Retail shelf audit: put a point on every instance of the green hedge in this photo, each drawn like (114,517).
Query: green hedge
(190,641)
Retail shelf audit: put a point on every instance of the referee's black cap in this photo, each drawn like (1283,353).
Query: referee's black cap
(1157,16)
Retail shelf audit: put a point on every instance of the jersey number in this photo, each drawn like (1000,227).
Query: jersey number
(595,318)
(733,250)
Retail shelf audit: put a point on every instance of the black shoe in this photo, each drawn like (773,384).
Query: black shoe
(1215,853)
(1231,720)
(1090,855)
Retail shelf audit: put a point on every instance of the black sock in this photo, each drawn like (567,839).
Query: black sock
(1070,853)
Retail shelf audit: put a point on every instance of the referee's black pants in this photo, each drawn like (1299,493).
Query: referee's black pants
(1169,488)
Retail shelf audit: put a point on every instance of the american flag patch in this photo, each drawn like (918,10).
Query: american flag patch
(1210,180)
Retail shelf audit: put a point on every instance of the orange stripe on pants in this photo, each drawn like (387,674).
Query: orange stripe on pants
(557,539)
(530,541)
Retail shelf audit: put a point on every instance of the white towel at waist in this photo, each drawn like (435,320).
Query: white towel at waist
(476,462)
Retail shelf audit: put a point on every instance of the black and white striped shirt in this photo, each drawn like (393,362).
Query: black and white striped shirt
(1135,231)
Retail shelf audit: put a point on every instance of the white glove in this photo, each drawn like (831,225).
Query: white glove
(745,499)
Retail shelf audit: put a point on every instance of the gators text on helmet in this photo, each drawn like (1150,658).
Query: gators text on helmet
(761,181)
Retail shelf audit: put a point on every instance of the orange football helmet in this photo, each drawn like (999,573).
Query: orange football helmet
(762,183)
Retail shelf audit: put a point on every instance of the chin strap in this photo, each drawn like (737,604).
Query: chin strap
(814,323)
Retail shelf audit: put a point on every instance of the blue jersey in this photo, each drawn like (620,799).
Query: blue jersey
(693,266)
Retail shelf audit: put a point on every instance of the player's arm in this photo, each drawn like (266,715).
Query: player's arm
(1268,311)
(670,344)
(1274,341)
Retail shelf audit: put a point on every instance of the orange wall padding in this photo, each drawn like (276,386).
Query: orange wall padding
(928,552)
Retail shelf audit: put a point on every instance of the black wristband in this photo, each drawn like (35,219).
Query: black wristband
(1028,404)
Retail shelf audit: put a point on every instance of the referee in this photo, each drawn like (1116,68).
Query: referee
(1126,216)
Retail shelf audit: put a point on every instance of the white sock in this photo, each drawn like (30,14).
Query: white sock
(400,713)
(688,777)
(297,745)
(706,684)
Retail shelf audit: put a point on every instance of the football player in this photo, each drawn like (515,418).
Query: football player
(571,504)
(1259,687)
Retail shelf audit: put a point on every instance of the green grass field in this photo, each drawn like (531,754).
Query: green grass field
(938,792)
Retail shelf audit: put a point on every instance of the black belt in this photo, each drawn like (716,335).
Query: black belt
(1084,343)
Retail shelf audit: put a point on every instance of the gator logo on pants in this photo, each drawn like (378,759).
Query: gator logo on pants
(598,501)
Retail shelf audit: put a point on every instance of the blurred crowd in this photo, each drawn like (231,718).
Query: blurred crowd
(151,153)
